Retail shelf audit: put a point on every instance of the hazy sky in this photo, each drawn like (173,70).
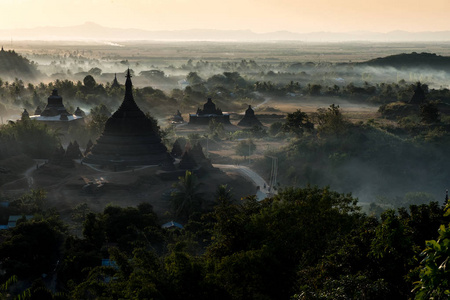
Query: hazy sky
(256,15)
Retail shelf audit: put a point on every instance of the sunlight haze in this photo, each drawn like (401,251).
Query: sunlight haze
(258,16)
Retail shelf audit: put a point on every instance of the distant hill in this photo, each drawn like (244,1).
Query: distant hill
(94,32)
(12,65)
(411,60)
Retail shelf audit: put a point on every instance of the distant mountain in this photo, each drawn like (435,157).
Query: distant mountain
(12,65)
(92,31)
(411,60)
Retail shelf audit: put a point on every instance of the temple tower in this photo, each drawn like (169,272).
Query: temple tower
(129,138)
(208,113)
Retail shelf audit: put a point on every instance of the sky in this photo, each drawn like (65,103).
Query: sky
(256,15)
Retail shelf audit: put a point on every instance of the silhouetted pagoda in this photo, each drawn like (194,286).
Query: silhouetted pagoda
(177,118)
(54,107)
(250,120)
(38,111)
(194,159)
(115,83)
(419,95)
(25,115)
(129,138)
(208,113)
(56,115)
(79,113)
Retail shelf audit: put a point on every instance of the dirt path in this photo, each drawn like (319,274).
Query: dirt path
(263,191)
(26,181)
(266,99)
(29,172)
(115,172)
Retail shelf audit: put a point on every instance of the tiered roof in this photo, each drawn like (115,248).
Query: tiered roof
(129,138)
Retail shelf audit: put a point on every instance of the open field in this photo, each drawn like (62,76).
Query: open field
(163,52)
(63,60)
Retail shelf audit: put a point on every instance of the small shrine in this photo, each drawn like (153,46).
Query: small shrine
(250,120)
(177,118)
(115,83)
(194,158)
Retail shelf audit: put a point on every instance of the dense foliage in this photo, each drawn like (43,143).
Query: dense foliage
(27,137)
(13,65)
(310,243)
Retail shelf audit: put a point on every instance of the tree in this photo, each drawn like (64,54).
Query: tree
(394,249)
(258,247)
(434,276)
(176,149)
(194,79)
(96,124)
(90,83)
(331,120)
(31,203)
(216,129)
(297,122)
(32,138)
(314,89)
(95,71)
(33,248)
(245,148)
(223,194)
(275,128)
(6,285)
(429,113)
(186,200)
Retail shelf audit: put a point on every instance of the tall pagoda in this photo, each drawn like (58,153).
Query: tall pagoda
(129,138)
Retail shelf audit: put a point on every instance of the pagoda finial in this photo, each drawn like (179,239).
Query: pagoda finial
(128,87)
(128,83)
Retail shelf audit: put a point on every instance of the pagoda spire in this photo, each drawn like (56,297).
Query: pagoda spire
(129,90)
(128,83)
(128,103)
(115,83)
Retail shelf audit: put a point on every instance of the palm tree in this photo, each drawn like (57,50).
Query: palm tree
(4,286)
(223,195)
(186,200)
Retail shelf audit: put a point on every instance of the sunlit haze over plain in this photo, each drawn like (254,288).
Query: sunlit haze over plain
(258,16)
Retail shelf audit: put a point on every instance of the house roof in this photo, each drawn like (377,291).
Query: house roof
(172,224)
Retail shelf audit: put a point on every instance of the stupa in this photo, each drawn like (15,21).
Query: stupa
(129,138)
(419,95)
(208,113)
(250,120)
(55,114)
(115,83)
